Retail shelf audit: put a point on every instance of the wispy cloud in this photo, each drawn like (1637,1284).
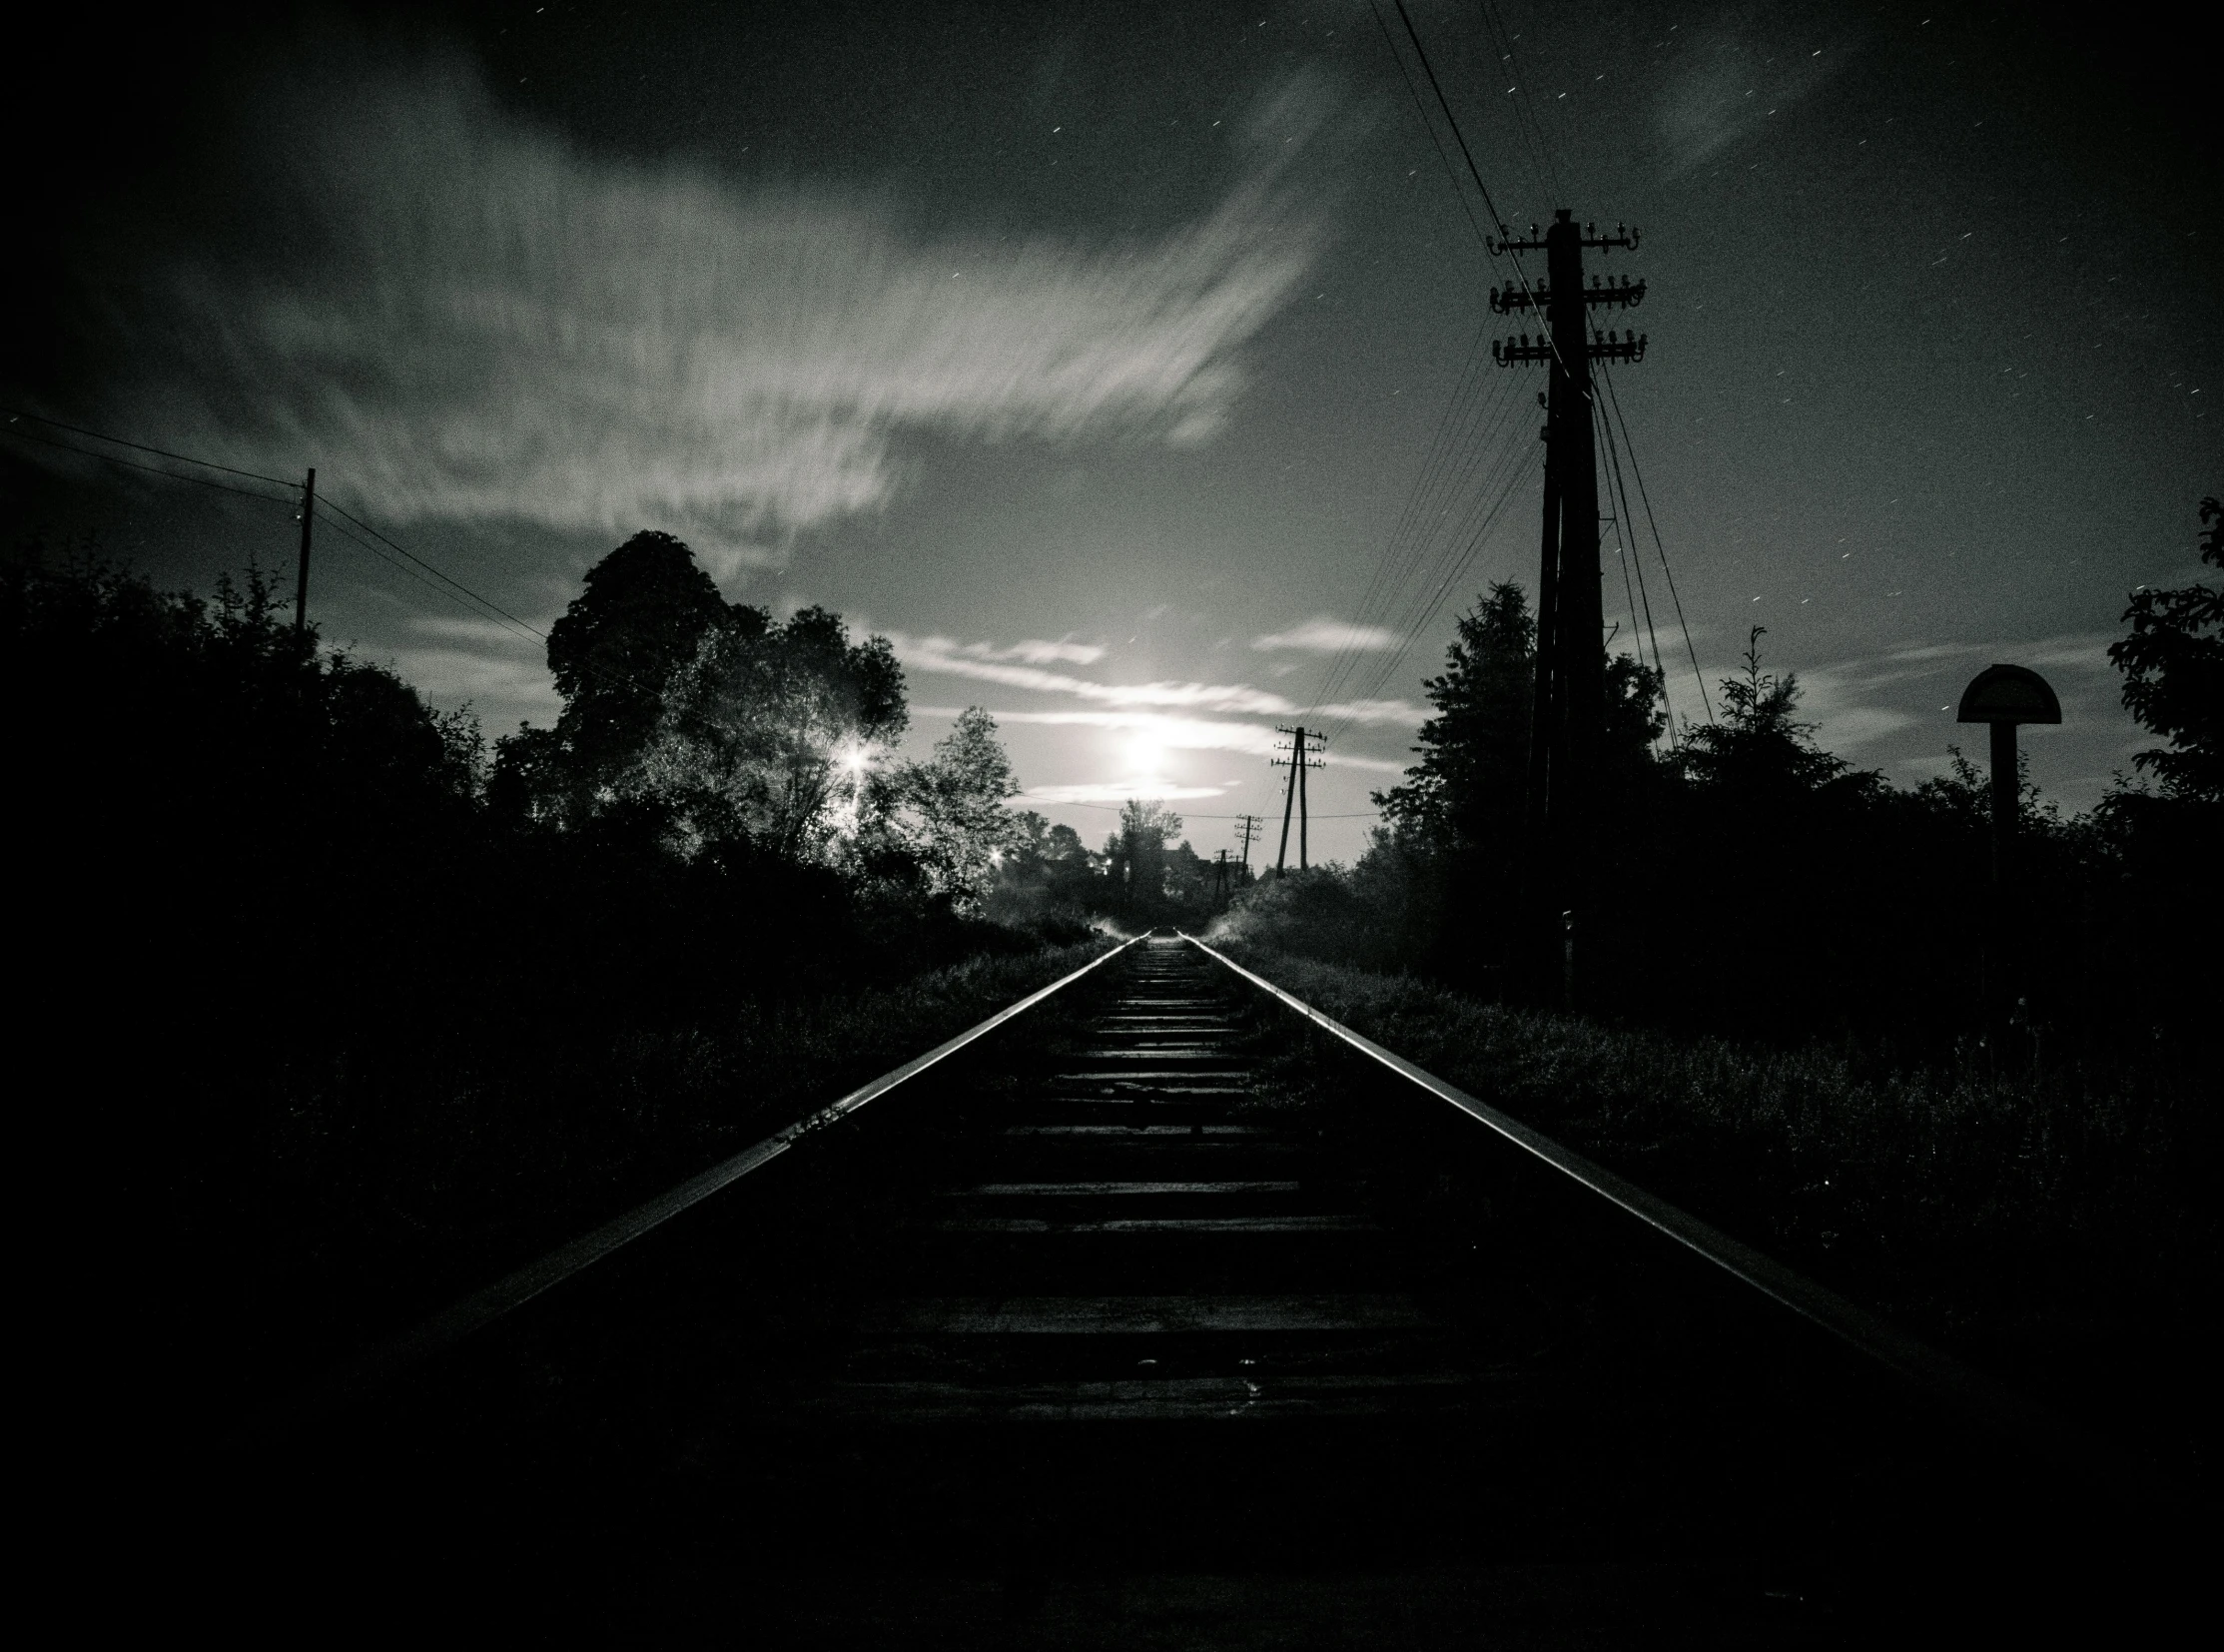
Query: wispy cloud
(936,654)
(487,321)
(1326,635)
(1031,652)
(1732,79)
(506,686)
(1115,792)
(486,633)
(1174,732)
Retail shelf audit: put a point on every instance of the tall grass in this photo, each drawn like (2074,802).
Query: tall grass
(2057,1225)
(370,1209)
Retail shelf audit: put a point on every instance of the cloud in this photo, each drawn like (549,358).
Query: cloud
(1037,654)
(1324,635)
(1112,792)
(488,632)
(449,675)
(937,654)
(1731,81)
(1174,732)
(476,320)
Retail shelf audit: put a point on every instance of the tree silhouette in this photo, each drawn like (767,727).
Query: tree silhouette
(956,802)
(774,733)
(643,614)
(1759,747)
(1135,854)
(2173,668)
(1464,796)
(706,719)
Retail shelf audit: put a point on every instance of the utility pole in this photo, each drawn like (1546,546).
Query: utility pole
(1247,828)
(1301,757)
(300,582)
(1568,725)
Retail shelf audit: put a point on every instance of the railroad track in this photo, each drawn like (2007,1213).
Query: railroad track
(1160,1316)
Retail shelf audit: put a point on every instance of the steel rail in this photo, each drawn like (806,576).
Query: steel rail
(373,1367)
(1964,1389)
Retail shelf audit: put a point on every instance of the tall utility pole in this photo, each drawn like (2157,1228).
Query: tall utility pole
(1247,828)
(300,582)
(1568,725)
(1301,757)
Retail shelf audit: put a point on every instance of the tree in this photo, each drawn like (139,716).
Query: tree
(1759,746)
(642,617)
(703,719)
(1137,852)
(775,733)
(2173,668)
(1465,794)
(956,799)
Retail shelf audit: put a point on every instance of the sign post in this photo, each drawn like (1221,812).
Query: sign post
(2005,696)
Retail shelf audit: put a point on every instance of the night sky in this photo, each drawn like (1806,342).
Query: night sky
(1119,362)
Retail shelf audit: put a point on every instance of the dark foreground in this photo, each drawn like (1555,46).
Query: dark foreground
(1151,1322)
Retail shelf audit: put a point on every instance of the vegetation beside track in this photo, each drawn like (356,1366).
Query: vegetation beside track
(483,1168)
(2050,1227)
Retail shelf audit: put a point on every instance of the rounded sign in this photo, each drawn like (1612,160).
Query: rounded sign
(2009,694)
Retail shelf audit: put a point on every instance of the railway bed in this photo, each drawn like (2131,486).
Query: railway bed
(1159,1316)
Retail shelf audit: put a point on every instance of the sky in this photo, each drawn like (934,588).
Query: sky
(1126,364)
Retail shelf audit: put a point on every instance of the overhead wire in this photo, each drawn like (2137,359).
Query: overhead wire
(141,447)
(426,579)
(1541,158)
(395,554)
(1615,402)
(1475,529)
(494,608)
(1418,540)
(1626,548)
(152,469)
(1389,566)
(1437,558)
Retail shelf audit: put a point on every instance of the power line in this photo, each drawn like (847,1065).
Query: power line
(1625,547)
(1615,402)
(152,469)
(448,585)
(1460,138)
(1427,125)
(492,607)
(183,459)
(1467,543)
(397,563)
(1431,532)
(1525,111)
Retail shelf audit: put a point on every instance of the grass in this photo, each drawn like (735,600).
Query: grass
(2053,1226)
(377,1200)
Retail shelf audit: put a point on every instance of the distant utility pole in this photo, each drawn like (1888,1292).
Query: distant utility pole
(300,582)
(1568,725)
(1301,757)
(1247,828)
